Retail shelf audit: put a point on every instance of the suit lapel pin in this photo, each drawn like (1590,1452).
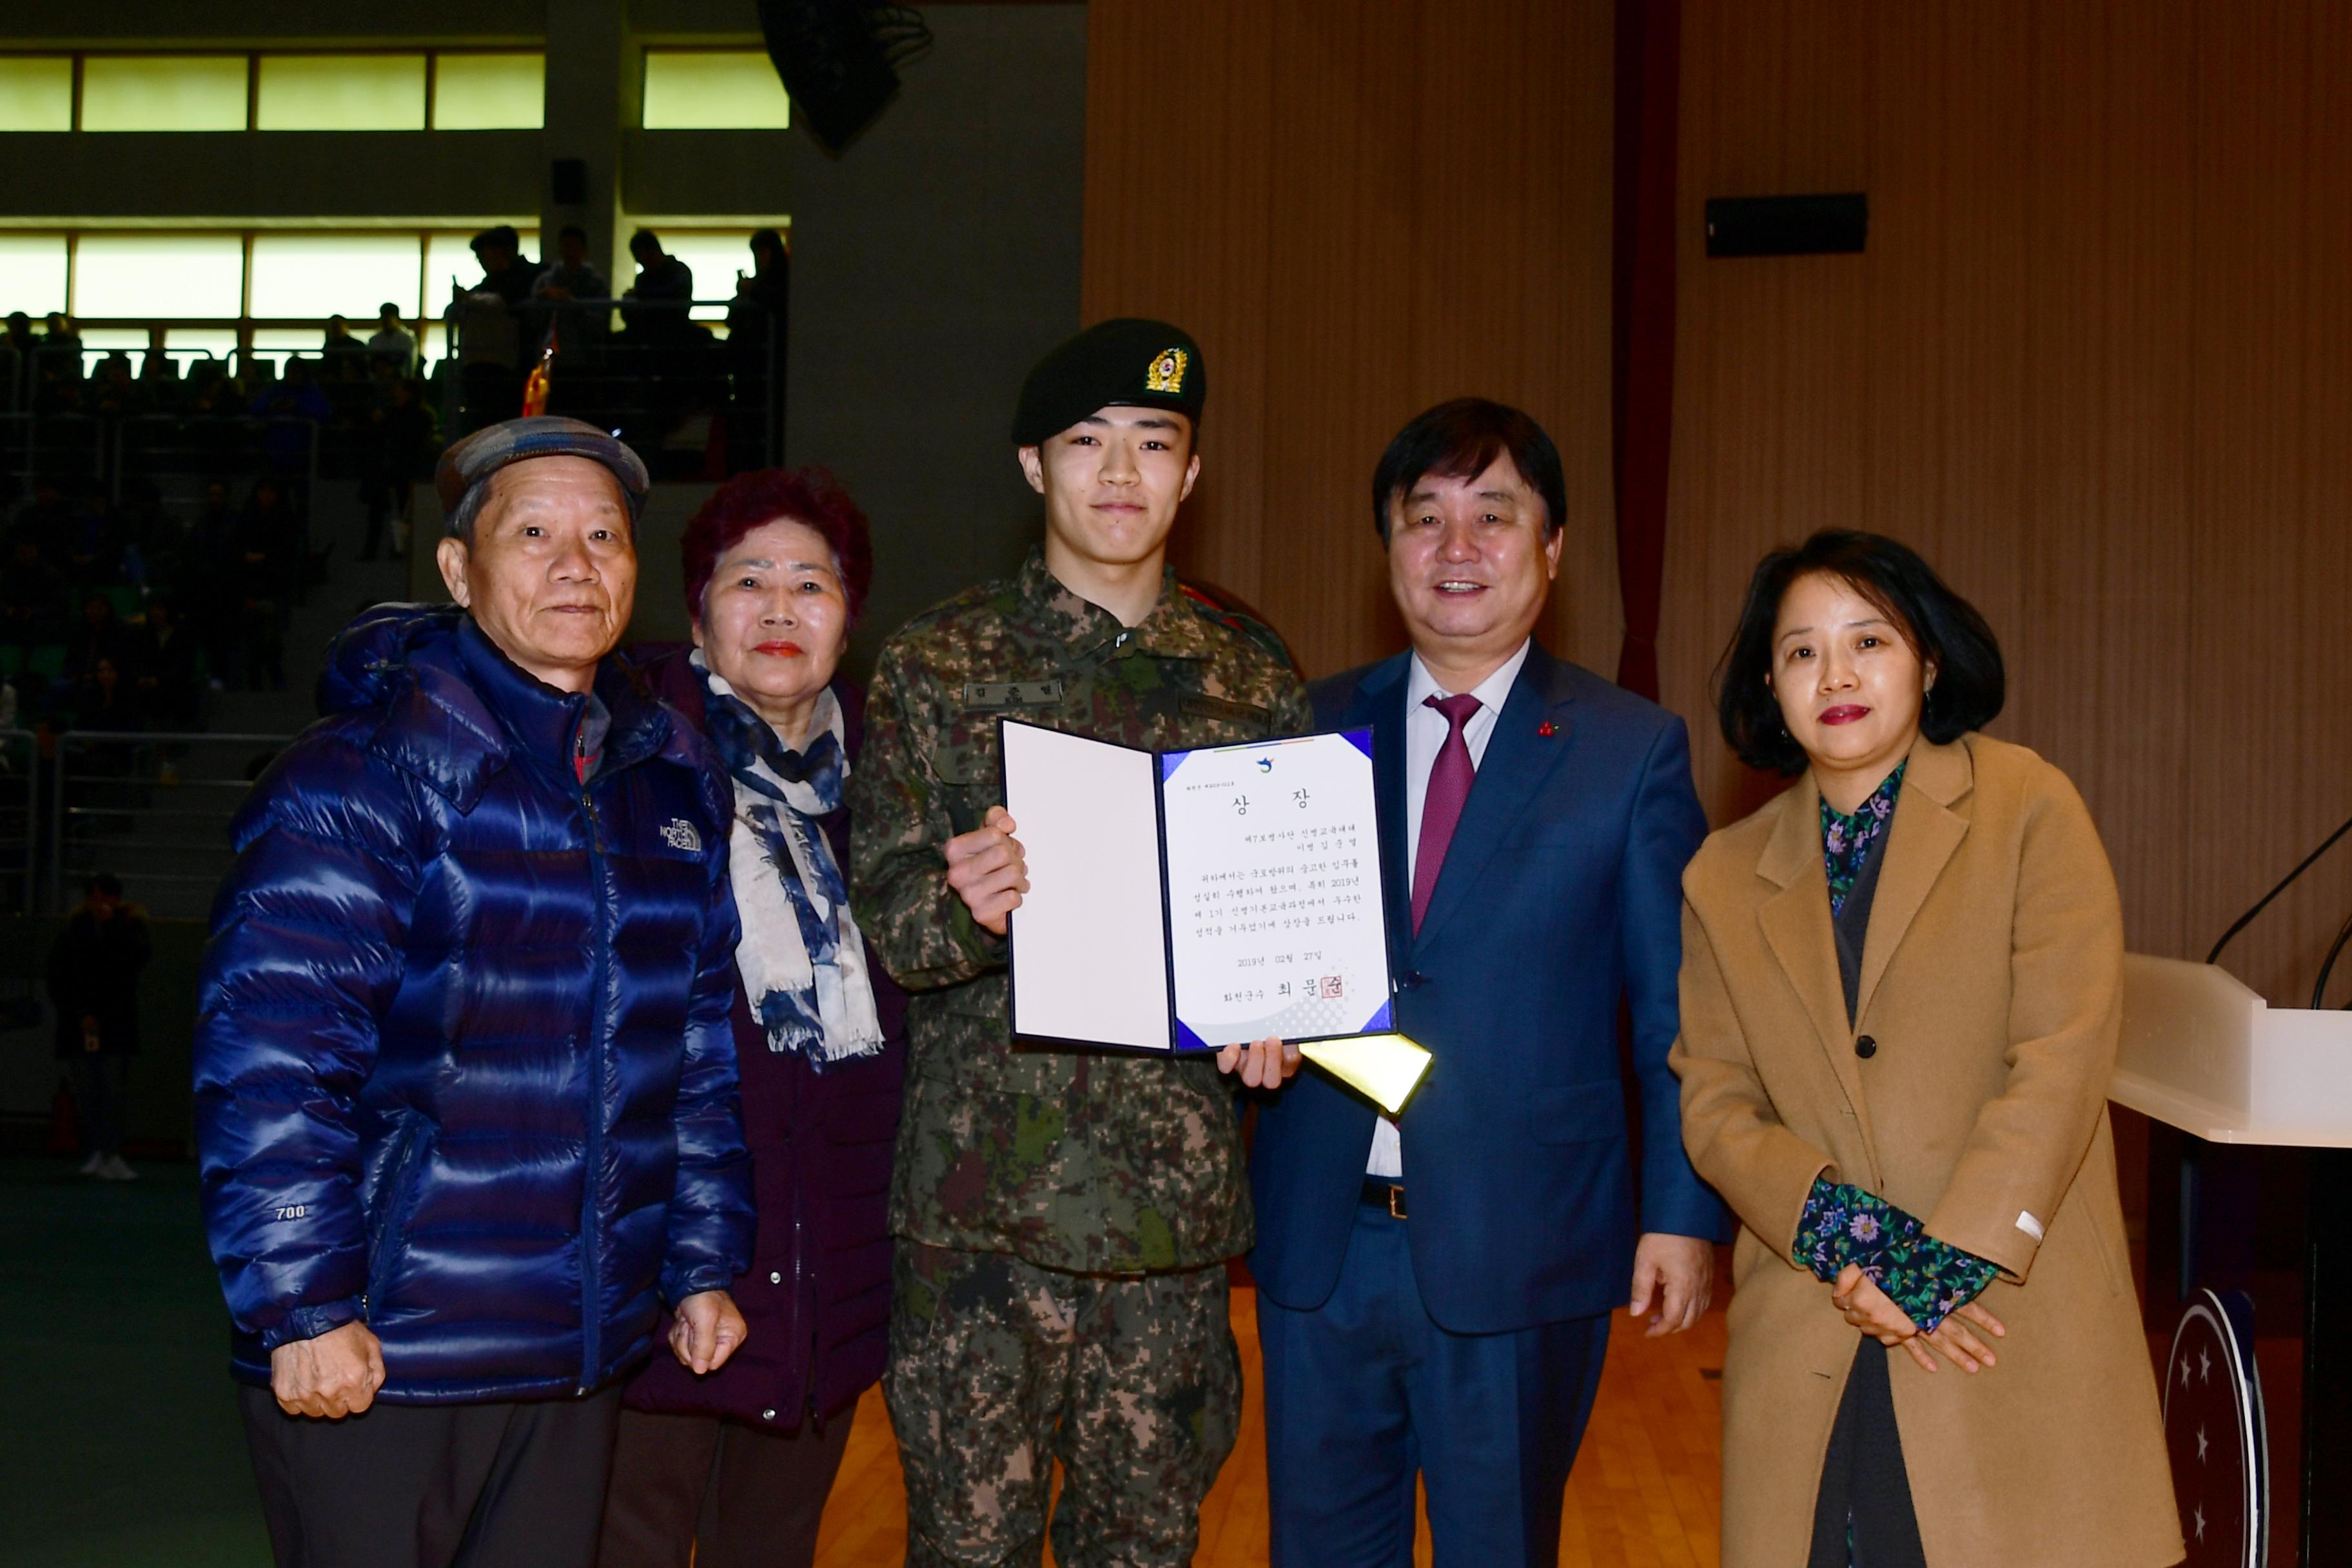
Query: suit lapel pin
(1547,728)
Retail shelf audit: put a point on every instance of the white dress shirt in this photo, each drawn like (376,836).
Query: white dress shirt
(1425,730)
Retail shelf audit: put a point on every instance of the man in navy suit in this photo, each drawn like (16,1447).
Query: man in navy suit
(1434,1292)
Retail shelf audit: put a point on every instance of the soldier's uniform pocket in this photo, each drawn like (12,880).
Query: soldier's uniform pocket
(968,765)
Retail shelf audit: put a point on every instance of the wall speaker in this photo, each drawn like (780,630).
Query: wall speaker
(839,60)
(567,182)
(1787,225)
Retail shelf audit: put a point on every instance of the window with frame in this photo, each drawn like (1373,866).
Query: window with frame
(274,89)
(713,89)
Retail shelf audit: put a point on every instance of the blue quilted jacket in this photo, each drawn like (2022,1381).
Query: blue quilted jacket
(463,1062)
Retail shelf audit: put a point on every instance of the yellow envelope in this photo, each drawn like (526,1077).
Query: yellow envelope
(1388,1068)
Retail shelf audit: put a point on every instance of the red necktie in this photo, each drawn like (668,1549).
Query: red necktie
(1441,807)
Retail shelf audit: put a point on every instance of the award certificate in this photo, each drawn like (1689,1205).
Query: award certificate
(1186,901)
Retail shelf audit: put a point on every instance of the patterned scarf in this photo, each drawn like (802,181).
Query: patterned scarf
(801,958)
(1847,837)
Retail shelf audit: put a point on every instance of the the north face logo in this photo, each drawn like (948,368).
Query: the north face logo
(679,833)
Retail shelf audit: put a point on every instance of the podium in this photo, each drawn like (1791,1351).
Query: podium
(2203,1053)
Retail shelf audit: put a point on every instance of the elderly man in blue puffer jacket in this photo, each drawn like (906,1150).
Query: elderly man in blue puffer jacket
(466,1089)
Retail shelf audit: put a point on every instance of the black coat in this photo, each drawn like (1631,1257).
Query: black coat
(817,1299)
(94,973)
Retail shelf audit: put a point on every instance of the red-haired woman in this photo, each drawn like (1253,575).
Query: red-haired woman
(734,1467)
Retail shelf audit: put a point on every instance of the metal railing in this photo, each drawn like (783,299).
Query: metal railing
(658,380)
(154,809)
(65,446)
(115,447)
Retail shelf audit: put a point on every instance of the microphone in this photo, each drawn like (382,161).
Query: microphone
(2247,919)
(2327,966)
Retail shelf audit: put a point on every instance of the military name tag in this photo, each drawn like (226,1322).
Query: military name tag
(1011,693)
(1200,707)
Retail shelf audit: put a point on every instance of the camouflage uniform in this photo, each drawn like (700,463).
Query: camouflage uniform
(1064,1216)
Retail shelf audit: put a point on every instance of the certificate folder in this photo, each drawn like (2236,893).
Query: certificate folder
(1185,901)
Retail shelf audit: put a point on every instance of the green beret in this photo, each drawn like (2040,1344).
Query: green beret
(1128,364)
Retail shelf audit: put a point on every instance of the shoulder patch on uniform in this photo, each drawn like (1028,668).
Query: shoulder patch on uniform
(1213,604)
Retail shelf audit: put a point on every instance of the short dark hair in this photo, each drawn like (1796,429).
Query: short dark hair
(767,236)
(642,239)
(1944,629)
(1458,440)
(572,231)
(387,309)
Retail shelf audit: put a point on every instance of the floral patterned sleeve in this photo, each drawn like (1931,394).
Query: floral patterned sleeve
(1929,1280)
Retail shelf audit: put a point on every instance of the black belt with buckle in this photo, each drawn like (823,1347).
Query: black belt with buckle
(1381,1194)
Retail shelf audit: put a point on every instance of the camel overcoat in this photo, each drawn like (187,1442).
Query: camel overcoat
(1991,990)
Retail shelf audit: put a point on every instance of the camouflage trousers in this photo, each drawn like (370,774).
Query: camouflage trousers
(999,1367)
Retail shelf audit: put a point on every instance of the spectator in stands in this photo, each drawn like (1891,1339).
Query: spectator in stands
(118,394)
(209,573)
(296,408)
(158,364)
(571,277)
(32,595)
(294,396)
(151,539)
(211,394)
(392,343)
(485,331)
(94,969)
(61,346)
(339,353)
(757,319)
(46,517)
(400,437)
(16,361)
(167,669)
(267,544)
(660,277)
(764,294)
(506,272)
(100,635)
(89,546)
(100,699)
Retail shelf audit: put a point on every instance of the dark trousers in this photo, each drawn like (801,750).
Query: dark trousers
(717,1493)
(101,1079)
(1366,1390)
(433,1486)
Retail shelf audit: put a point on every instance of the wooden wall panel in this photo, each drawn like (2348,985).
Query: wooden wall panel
(1360,210)
(2096,363)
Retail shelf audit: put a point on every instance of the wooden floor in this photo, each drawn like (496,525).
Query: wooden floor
(1645,1491)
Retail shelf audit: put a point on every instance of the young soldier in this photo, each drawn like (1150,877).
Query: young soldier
(1064,1217)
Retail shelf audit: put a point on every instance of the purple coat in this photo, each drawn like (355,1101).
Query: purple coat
(818,1294)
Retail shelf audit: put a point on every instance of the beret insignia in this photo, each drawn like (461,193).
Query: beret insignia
(1167,372)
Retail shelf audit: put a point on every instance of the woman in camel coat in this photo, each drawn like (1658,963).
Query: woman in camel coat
(1901,987)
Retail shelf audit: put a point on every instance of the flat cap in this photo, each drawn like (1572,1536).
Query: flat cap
(1131,362)
(467,465)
